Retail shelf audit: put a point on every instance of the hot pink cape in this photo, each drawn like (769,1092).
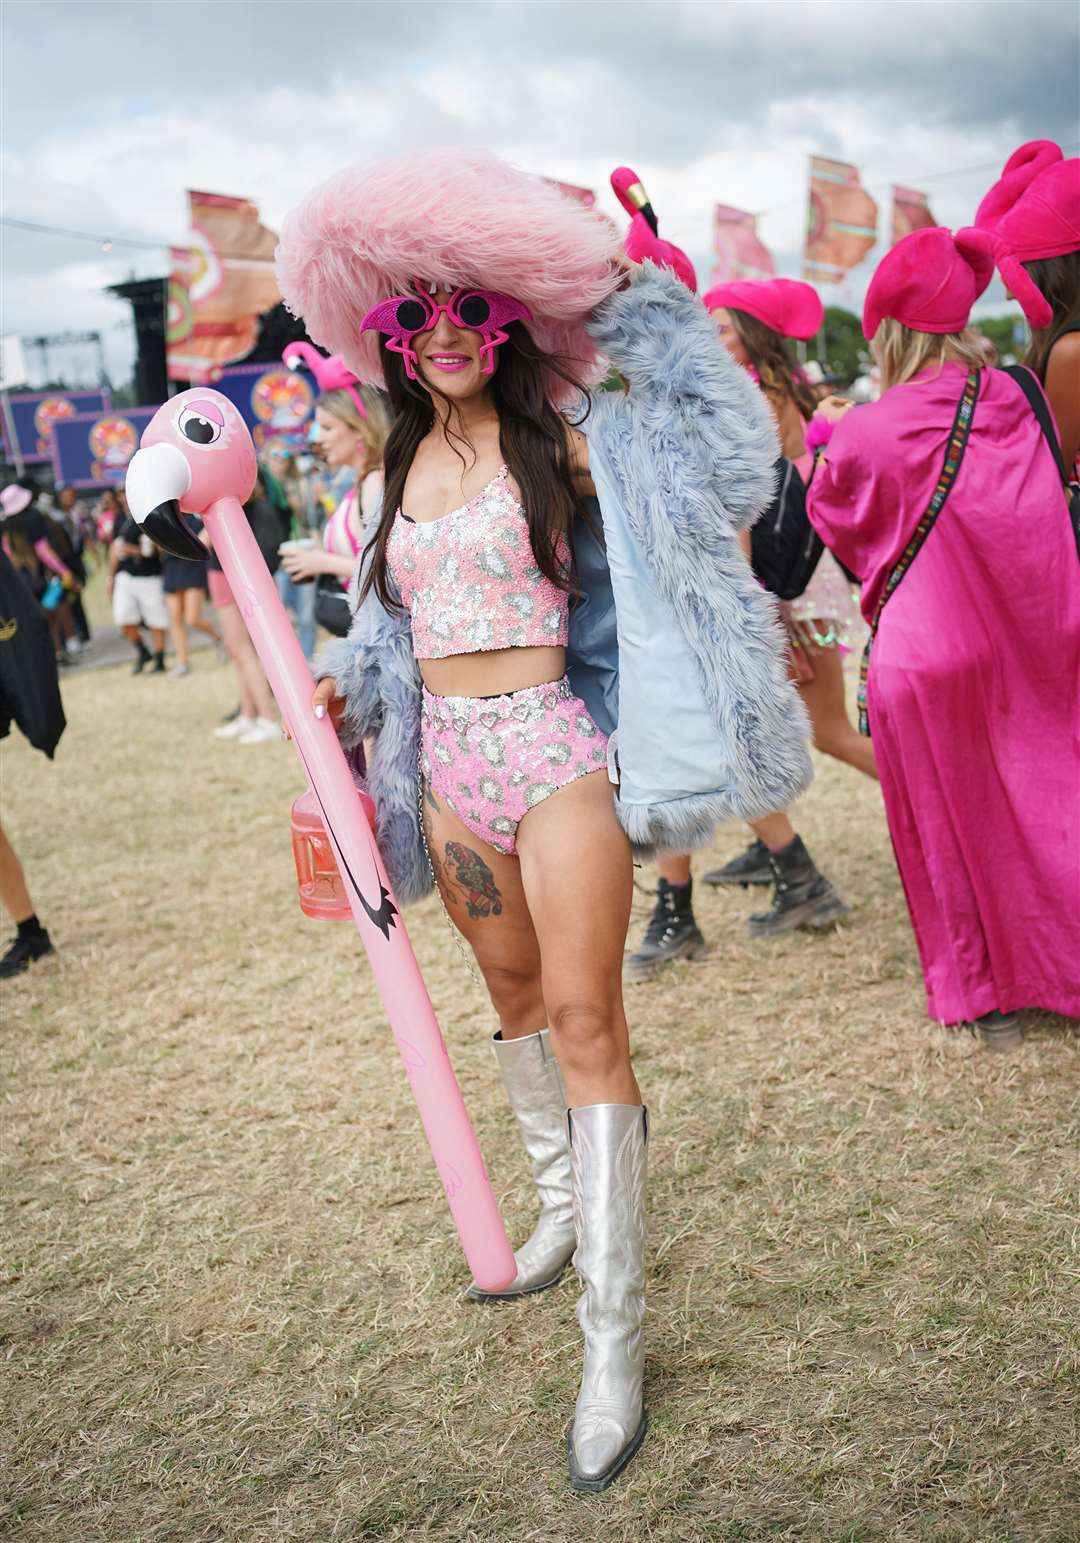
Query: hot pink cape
(974,686)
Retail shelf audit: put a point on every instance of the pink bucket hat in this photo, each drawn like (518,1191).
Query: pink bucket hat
(1019,171)
(447,216)
(13,500)
(787,306)
(1044,221)
(929,281)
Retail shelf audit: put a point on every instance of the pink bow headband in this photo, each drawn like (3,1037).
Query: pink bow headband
(332,374)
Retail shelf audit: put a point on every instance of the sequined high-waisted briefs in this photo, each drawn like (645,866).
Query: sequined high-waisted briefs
(492,759)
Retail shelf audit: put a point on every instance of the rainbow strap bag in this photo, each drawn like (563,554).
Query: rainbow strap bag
(954,454)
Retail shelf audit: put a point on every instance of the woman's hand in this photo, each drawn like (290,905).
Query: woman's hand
(325,699)
(304,564)
(833,408)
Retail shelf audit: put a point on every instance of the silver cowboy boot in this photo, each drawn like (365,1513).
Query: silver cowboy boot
(607,1171)
(534,1086)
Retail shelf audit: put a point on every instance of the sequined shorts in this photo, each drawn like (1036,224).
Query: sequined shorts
(492,759)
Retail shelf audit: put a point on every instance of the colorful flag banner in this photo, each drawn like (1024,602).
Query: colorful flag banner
(32,416)
(273,401)
(740,254)
(841,223)
(910,211)
(92,450)
(219,286)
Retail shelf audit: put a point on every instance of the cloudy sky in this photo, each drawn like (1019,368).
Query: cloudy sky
(111,110)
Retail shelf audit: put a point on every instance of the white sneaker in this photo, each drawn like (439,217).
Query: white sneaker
(262,729)
(180,669)
(235,727)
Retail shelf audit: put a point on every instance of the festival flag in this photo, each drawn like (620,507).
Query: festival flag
(841,223)
(219,286)
(910,211)
(740,254)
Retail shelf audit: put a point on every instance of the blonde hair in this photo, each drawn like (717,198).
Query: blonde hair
(903,353)
(373,429)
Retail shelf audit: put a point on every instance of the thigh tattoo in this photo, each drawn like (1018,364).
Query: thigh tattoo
(475,881)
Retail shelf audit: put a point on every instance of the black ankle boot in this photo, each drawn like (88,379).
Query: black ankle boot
(750,867)
(30,943)
(672,933)
(143,657)
(159,664)
(803,897)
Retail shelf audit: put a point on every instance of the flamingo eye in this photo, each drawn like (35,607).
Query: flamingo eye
(200,430)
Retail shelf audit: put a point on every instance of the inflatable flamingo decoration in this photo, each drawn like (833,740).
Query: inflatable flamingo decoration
(643,238)
(197,456)
(331,372)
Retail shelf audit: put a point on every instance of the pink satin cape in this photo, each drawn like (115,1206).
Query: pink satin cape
(974,686)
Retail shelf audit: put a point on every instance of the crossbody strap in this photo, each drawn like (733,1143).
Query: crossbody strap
(954,455)
(1029,385)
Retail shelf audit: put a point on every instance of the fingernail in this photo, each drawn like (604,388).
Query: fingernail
(320,711)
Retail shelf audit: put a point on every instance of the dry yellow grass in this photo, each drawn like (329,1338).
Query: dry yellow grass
(231,1291)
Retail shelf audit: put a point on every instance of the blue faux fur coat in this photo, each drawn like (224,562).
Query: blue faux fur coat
(675,648)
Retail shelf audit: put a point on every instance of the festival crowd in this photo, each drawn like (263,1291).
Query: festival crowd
(657,594)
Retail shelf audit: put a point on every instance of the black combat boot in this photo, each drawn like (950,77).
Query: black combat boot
(671,934)
(750,867)
(1000,1031)
(803,897)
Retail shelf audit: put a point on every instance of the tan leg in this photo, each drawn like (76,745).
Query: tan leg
(577,874)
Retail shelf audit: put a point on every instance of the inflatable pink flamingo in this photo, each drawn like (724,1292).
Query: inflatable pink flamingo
(331,372)
(197,456)
(643,238)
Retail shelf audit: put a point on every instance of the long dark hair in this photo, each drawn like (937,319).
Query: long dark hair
(1059,280)
(772,357)
(532,437)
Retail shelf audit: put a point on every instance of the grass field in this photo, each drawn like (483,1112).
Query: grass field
(231,1302)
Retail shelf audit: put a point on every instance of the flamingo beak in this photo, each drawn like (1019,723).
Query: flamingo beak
(157,479)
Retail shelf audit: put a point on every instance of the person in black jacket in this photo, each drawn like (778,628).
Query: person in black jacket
(30,698)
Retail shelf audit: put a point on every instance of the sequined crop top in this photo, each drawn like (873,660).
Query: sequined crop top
(470,580)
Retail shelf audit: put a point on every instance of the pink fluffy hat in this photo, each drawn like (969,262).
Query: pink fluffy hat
(1018,173)
(787,306)
(449,217)
(1043,220)
(929,281)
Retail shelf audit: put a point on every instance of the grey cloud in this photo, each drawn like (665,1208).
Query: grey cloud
(680,74)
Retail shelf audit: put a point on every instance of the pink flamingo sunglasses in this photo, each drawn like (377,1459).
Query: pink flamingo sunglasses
(477,310)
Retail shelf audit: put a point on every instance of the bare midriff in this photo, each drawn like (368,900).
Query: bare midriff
(494,672)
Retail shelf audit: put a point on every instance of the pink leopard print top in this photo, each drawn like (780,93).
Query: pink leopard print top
(470,581)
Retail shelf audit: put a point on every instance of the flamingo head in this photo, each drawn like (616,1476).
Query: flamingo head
(196,449)
(643,239)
